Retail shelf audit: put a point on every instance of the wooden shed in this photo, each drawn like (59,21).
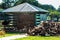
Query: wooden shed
(25,15)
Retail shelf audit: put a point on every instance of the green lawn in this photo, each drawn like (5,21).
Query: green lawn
(9,34)
(40,38)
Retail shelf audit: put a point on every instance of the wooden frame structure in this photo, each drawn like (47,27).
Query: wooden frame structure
(26,16)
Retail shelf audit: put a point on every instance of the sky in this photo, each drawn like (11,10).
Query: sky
(0,1)
(55,3)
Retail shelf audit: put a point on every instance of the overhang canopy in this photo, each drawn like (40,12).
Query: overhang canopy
(25,7)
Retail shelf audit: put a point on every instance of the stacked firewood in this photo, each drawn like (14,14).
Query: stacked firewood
(46,29)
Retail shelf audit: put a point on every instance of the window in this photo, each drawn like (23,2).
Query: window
(43,17)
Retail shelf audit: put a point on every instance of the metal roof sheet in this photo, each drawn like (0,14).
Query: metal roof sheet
(25,7)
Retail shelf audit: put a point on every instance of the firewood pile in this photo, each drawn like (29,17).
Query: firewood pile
(46,29)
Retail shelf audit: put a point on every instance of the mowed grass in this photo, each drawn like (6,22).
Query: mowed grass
(8,34)
(40,38)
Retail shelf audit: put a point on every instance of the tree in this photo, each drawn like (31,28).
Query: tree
(1,5)
(54,14)
(8,3)
(47,7)
(59,9)
(34,2)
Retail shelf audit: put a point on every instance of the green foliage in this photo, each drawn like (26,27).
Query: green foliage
(48,18)
(46,7)
(1,6)
(7,3)
(54,12)
(28,1)
(59,9)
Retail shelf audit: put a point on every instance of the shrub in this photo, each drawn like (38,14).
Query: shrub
(2,32)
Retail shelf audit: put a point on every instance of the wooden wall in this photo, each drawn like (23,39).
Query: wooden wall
(24,20)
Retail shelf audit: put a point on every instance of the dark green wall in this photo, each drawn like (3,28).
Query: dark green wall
(40,17)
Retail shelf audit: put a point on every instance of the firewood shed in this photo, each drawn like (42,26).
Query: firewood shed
(25,15)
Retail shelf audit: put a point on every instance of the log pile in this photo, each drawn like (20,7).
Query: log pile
(46,29)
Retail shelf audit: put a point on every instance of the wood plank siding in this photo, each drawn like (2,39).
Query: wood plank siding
(24,20)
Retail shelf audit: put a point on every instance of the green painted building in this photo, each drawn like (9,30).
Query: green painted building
(25,15)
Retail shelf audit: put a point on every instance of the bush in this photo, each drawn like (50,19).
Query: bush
(2,32)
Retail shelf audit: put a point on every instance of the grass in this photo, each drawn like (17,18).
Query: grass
(8,34)
(40,38)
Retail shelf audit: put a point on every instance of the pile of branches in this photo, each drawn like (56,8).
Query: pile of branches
(45,29)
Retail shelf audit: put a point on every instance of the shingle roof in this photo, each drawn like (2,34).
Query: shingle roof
(25,7)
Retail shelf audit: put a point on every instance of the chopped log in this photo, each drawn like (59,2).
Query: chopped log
(46,29)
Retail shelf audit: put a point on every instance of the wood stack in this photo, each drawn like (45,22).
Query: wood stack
(47,29)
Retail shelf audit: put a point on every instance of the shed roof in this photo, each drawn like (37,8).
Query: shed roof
(25,7)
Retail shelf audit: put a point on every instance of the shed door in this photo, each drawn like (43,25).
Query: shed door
(25,20)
